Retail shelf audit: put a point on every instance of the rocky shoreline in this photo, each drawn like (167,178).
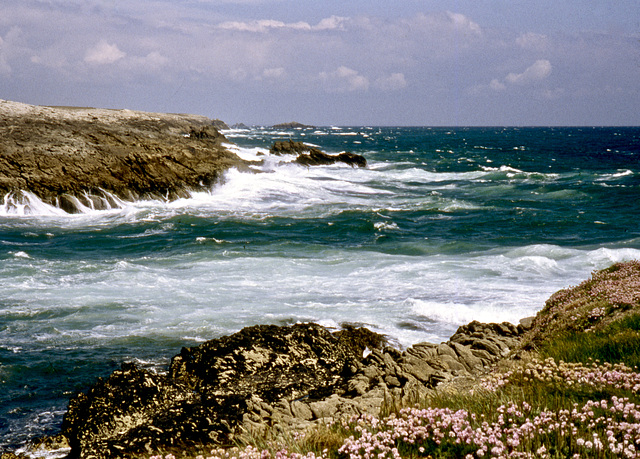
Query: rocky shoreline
(264,378)
(287,378)
(73,157)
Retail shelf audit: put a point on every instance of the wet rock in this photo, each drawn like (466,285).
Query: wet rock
(314,158)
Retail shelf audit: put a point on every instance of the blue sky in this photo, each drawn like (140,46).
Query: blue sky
(466,62)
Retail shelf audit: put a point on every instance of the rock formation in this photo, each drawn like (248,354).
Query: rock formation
(74,157)
(311,156)
(264,377)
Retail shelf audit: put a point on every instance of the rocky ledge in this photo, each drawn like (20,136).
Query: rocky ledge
(74,157)
(266,377)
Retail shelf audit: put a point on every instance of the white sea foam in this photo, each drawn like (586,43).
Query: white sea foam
(455,314)
(284,187)
(617,175)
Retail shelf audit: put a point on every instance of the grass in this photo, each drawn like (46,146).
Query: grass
(615,343)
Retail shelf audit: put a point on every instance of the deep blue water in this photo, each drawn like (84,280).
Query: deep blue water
(444,226)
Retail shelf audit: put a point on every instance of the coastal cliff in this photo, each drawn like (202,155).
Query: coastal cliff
(73,157)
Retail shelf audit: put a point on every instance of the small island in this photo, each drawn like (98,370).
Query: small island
(292,125)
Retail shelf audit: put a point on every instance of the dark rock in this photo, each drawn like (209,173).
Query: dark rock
(213,390)
(289,147)
(311,156)
(314,158)
(268,361)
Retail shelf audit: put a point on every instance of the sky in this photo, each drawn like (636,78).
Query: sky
(329,62)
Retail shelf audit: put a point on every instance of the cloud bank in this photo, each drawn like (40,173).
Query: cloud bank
(426,67)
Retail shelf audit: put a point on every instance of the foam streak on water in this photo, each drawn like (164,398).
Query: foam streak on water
(443,227)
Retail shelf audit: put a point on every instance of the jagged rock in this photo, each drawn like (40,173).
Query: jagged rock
(488,342)
(246,380)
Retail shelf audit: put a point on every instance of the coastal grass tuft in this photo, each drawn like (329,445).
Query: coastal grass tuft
(615,343)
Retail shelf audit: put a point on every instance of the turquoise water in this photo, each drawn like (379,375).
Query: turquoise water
(444,226)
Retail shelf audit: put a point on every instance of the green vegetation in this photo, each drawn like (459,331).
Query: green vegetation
(618,342)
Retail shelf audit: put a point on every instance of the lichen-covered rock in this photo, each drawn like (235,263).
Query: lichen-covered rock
(258,376)
(268,361)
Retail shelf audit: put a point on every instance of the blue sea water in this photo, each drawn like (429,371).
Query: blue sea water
(444,226)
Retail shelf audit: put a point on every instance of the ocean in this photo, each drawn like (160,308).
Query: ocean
(444,226)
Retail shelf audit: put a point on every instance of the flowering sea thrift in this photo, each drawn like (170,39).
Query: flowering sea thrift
(617,376)
(607,428)
(610,428)
(594,301)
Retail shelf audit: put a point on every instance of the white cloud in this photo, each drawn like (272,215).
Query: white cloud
(393,82)
(331,23)
(273,73)
(152,61)
(103,53)
(265,25)
(538,71)
(497,85)
(533,41)
(462,22)
(344,79)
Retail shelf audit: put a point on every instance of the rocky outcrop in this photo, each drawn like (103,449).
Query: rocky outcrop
(311,156)
(74,157)
(268,377)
